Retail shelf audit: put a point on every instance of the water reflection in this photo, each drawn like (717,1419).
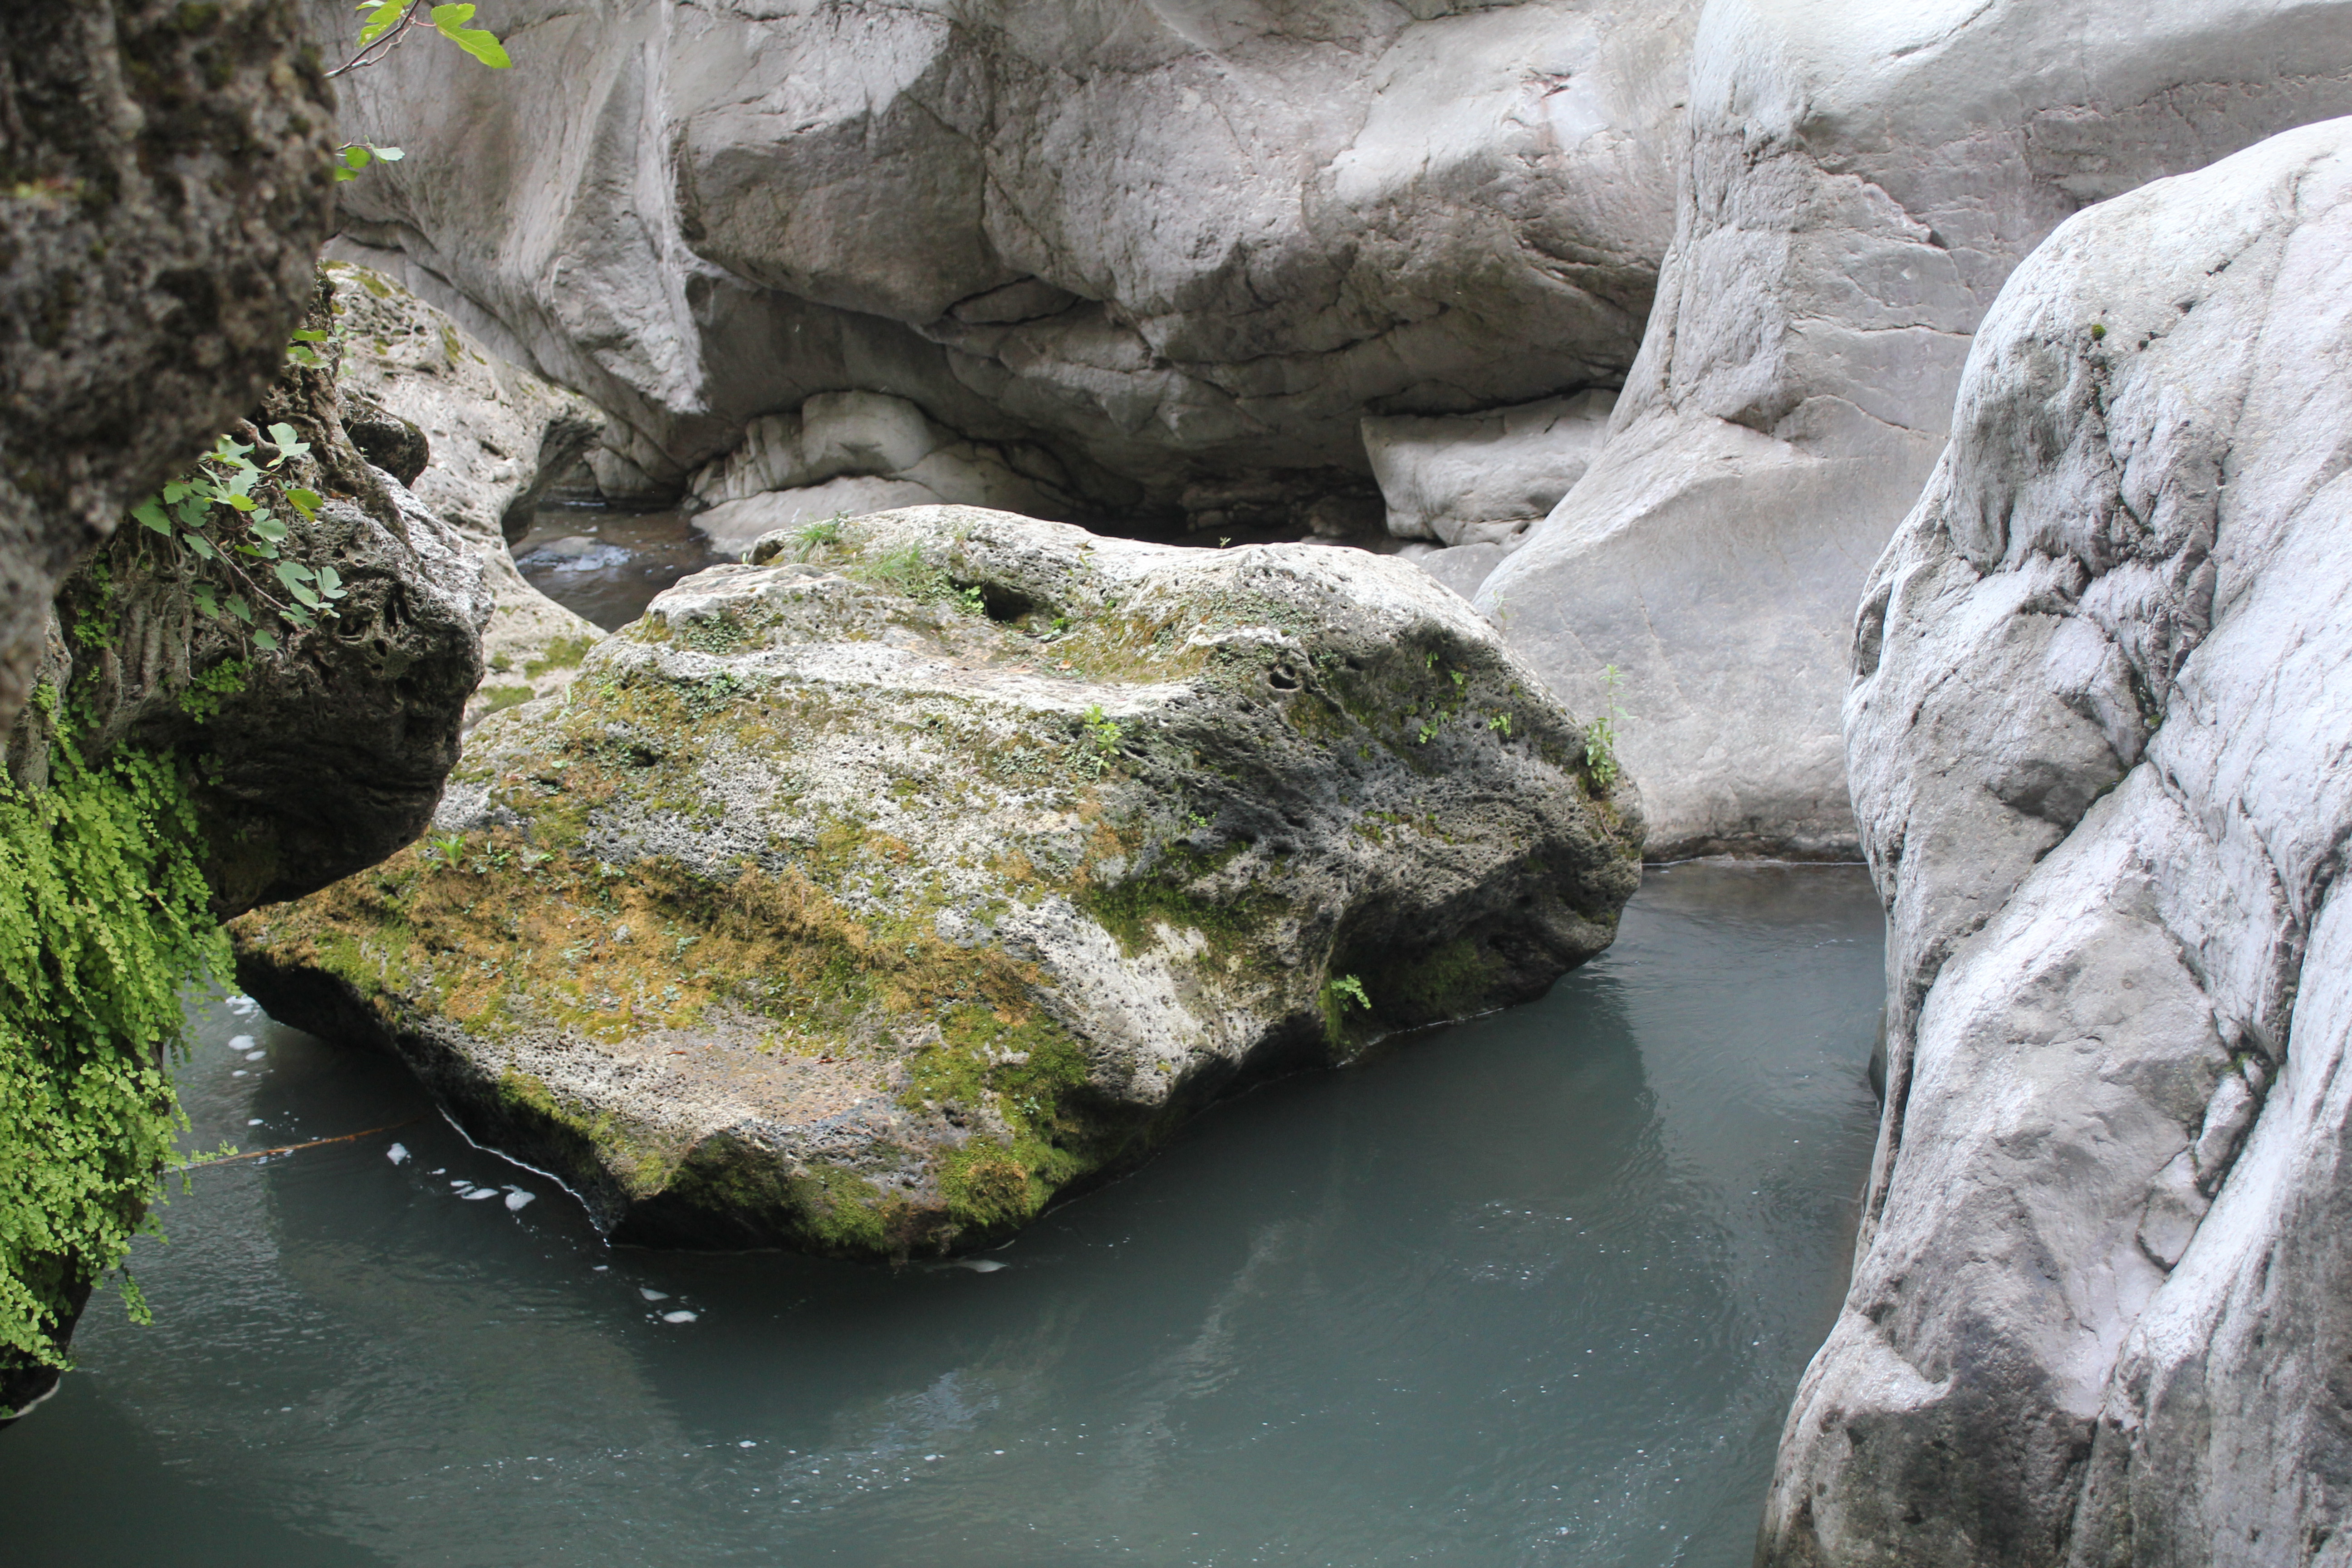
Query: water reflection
(607,563)
(1532,1289)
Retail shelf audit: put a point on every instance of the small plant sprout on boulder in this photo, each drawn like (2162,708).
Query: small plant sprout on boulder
(865,896)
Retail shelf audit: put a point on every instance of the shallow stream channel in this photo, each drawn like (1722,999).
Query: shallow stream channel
(1533,1288)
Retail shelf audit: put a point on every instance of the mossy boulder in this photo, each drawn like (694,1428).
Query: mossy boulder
(865,896)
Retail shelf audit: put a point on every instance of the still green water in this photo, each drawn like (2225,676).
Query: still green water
(1532,1289)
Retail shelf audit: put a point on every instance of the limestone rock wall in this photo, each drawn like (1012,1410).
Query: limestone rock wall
(1165,241)
(2098,733)
(1857,182)
(164,184)
(490,441)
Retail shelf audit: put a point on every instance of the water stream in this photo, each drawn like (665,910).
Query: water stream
(1530,1290)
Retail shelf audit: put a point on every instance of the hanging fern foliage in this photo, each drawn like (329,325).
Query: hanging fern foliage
(104,918)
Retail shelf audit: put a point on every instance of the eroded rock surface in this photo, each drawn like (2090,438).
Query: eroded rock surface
(2104,1297)
(164,184)
(1859,181)
(480,442)
(1163,242)
(863,898)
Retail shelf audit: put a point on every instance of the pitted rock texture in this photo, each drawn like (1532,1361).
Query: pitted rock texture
(497,438)
(164,184)
(492,440)
(864,898)
(1165,241)
(2103,1299)
(1859,181)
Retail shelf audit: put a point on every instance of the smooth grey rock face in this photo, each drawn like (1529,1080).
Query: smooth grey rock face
(1484,479)
(498,439)
(849,453)
(864,895)
(1167,241)
(2103,1295)
(168,183)
(1859,181)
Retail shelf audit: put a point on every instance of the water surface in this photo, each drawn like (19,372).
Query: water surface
(1532,1289)
(607,563)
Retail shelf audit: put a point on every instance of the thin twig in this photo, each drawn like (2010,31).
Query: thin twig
(382,45)
(292,1148)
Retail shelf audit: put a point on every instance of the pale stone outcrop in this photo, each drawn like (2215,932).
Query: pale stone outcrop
(848,453)
(485,441)
(1483,478)
(1164,242)
(863,897)
(2103,1300)
(1859,181)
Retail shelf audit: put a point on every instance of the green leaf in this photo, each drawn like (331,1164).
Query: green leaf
(175,491)
(380,19)
(290,445)
(202,592)
(242,503)
(309,335)
(263,637)
(238,607)
(302,592)
(304,501)
(201,546)
(330,582)
(340,173)
(295,576)
(147,512)
(269,528)
(356,157)
(387,154)
(191,511)
(483,45)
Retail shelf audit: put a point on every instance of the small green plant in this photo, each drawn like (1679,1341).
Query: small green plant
(972,601)
(218,521)
(818,534)
(1501,724)
(1102,735)
(1600,735)
(444,849)
(1341,993)
(203,698)
(388,24)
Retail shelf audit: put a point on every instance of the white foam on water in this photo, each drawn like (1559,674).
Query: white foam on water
(678,1317)
(397,1153)
(240,1042)
(650,1294)
(516,1200)
(978,1265)
(478,1194)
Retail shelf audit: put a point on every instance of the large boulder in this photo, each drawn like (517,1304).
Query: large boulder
(1161,242)
(167,183)
(2103,1302)
(1859,181)
(863,898)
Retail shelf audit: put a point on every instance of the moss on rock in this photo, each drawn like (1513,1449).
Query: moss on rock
(864,899)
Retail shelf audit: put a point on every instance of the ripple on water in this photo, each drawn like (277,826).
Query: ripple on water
(1530,1290)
